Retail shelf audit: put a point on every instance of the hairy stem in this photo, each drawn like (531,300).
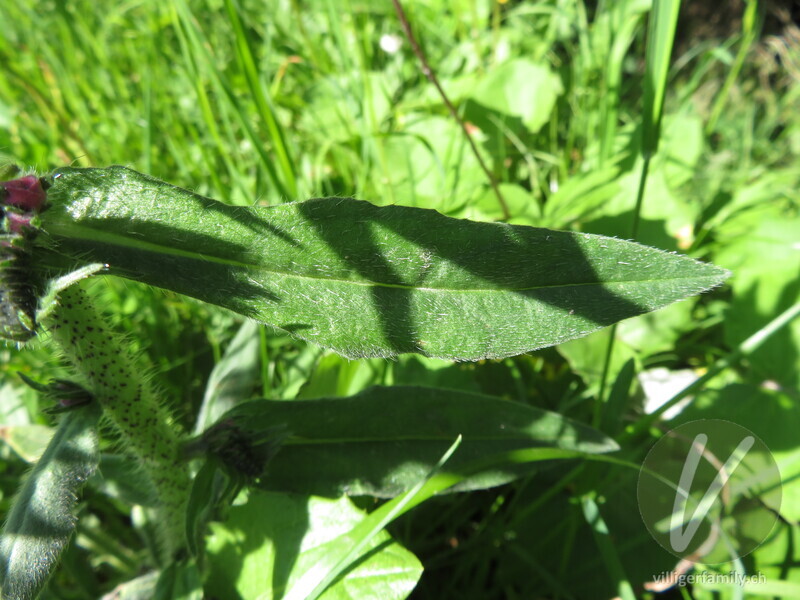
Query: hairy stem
(112,375)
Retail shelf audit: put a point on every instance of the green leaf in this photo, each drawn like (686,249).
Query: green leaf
(347,547)
(41,520)
(233,378)
(384,440)
(660,37)
(607,548)
(140,588)
(267,544)
(762,247)
(429,164)
(618,399)
(179,581)
(365,280)
(521,88)
(774,417)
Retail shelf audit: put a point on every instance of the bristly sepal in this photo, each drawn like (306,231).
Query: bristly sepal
(21,281)
(64,394)
(19,286)
(240,450)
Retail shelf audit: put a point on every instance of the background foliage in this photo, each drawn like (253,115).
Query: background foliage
(248,101)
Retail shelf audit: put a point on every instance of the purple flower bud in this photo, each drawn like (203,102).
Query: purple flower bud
(16,223)
(26,193)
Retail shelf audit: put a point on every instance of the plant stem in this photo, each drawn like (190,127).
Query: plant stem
(431,75)
(112,375)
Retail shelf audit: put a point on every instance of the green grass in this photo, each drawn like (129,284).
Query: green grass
(255,102)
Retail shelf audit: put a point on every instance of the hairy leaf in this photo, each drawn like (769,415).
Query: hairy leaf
(361,279)
(385,440)
(41,520)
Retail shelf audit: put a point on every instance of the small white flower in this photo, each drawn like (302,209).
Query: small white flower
(390,43)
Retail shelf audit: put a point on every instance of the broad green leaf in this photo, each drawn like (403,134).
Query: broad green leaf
(140,588)
(667,217)
(384,440)
(588,355)
(763,247)
(774,417)
(365,280)
(337,376)
(521,88)
(267,544)
(41,520)
(430,164)
(521,203)
(580,196)
(658,332)
(618,398)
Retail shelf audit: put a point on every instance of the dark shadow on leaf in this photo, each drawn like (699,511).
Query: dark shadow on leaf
(295,327)
(227,285)
(368,260)
(552,268)
(189,241)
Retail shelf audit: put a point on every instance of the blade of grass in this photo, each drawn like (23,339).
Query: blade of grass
(200,48)
(263,103)
(624,35)
(607,548)
(322,577)
(750,29)
(660,37)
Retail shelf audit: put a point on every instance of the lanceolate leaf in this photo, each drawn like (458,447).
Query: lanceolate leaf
(361,279)
(41,520)
(385,440)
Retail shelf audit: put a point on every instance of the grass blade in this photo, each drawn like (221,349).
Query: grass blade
(660,37)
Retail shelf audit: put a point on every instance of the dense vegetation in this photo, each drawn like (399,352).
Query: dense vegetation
(263,103)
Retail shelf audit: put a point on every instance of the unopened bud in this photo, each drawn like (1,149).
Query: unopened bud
(26,193)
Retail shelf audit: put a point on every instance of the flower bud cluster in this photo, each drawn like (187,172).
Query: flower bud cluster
(21,200)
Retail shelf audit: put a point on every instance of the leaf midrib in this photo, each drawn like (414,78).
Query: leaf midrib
(75,231)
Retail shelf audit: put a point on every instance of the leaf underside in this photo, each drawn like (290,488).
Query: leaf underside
(42,518)
(365,280)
